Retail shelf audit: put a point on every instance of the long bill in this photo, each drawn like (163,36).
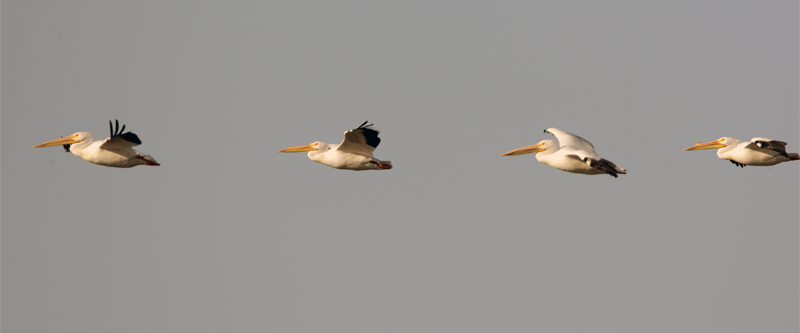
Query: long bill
(525,150)
(60,141)
(707,145)
(293,149)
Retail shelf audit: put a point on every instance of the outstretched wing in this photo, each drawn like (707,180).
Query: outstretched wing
(361,140)
(119,139)
(566,139)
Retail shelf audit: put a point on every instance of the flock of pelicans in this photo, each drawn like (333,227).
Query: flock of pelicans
(571,153)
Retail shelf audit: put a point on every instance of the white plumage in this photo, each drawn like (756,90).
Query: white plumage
(115,151)
(354,153)
(758,151)
(572,154)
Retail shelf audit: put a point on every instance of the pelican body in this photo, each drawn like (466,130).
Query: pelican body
(115,151)
(571,153)
(757,152)
(354,153)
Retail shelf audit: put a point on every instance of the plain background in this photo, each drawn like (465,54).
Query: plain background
(230,236)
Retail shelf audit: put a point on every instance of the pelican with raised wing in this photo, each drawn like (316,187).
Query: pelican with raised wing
(115,151)
(571,153)
(354,153)
(757,152)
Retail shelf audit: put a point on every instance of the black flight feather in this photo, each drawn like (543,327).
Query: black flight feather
(370,135)
(774,147)
(737,164)
(130,137)
(602,165)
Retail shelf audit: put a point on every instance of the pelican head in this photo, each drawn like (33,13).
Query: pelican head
(544,145)
(718,143)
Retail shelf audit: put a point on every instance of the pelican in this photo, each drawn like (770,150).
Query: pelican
(114,151)
(354,153)
(758,152)
(574,154)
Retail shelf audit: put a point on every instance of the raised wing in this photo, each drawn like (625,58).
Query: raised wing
(765,143)
(119,139)
(362,140)
(566,139)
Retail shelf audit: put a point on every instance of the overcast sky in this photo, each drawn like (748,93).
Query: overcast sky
(227,235)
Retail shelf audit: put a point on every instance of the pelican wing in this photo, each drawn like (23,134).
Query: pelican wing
(593,160)
(128,141)
(566,139)
(119,139)
(607,167)
(362,140)
(765,143)
(580,154)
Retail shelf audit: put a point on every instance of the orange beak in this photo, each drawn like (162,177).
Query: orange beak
(525,150)
(58,142)
(298,149)
(707,145)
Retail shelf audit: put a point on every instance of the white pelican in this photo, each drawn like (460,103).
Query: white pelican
(114,151)
(574,155)
(758,152)
(354,153)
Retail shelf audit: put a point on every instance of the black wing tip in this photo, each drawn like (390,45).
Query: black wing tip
(114,130)
(120,132)
(370,135)
(779,147)
(737,164)
(364,125)
(603,165)
(130,137)
(114,127)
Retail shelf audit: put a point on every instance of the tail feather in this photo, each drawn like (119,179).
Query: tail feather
(794,156)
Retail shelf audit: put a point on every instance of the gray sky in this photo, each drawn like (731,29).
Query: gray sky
(230,236)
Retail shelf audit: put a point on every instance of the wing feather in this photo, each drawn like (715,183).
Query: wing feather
(567,139)
(578,147)
(765,143)
(607,166)
(361,140)
(120,139)
(580,154)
